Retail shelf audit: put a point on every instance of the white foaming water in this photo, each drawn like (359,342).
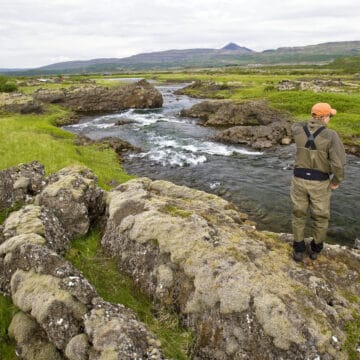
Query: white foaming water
(214,148)
(168,151)
(138,119)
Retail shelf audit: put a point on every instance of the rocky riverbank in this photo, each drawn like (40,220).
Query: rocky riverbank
(85,99)
(193,252)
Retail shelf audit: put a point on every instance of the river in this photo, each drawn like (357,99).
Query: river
(181,150)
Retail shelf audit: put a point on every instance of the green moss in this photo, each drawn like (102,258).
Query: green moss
(236,254)
(352,342)
(7,346)
(174,211)
(155,242)
(352,298)
(102,272)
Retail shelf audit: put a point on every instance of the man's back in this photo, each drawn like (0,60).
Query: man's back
(329,155)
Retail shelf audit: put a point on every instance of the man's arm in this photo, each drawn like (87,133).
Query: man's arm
(337,158)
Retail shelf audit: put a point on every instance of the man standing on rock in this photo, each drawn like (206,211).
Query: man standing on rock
(319,168)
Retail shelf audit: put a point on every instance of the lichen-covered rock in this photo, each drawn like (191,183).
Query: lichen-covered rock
(102,99)
(32,219)
(78,348)
(74,197)
(31,340)
(19,103)
(315,85)
(13,243)
(55,298)
(20,183)
(115,333)
(238,288)
(55,310)
(30,254)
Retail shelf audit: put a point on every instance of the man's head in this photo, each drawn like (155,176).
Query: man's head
(322,111)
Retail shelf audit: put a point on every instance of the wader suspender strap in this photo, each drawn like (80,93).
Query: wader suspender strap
(310,144)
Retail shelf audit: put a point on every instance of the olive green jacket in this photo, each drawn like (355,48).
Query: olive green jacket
(329,156)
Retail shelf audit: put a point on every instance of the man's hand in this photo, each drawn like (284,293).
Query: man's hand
(334,186)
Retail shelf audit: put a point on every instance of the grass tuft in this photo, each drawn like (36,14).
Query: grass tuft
(102,272)
(352,344)
(7,345)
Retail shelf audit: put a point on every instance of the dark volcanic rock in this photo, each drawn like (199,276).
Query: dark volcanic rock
(101,99)
(120,146)
(352,149)
(252,123)
(258,137)
(228,113)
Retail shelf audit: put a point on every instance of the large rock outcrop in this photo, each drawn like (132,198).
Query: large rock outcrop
(252,123)
(238,288)
(101,99)
(193,252)
(21,183)
(61,315)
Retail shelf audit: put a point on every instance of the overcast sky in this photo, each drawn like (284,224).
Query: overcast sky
(41,32)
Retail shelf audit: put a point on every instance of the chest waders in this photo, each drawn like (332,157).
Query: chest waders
(300,206)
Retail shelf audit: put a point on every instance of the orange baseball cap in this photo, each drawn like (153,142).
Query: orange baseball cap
(322,109)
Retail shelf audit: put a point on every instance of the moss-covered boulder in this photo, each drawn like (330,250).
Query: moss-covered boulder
(74,197)
(113,330)
(31,339)
(54,309)
(238,288)
(32,219)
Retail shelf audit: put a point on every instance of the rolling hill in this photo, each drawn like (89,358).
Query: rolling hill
(230,55)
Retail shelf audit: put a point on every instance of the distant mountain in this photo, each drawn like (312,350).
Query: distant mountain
(10,70)
(230,55)
(160,59)
(232,46)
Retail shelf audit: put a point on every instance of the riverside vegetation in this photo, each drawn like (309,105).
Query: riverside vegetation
(24,138)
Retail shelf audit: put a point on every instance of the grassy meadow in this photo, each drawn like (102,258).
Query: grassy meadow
(24,138)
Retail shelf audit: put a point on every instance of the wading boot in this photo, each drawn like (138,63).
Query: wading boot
(298,256)
(299,250)
(315,249)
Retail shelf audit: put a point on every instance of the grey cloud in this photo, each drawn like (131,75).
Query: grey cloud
(33,33)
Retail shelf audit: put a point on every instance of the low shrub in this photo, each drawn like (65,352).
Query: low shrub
(6,85)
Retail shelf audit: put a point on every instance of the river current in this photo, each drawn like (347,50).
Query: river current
(181,150)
